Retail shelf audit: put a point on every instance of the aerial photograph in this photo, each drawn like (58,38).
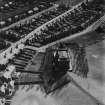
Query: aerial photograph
(52,52)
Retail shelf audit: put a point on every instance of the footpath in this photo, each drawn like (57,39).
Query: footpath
(91,87)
